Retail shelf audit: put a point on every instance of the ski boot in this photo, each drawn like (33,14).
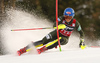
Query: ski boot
(55,47)
(41,50)
(21,51)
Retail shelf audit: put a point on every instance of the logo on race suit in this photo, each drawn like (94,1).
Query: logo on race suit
(63,22)
(47,36)
(67,32)
(73,24)
(68,12)
(68,28)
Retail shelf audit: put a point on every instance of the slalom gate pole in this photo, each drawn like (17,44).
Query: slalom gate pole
(57,24)
(32,29)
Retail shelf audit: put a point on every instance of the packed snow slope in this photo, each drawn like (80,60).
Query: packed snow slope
(89,55)
(13,41)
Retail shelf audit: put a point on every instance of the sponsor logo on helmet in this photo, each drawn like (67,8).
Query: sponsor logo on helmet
(68,12)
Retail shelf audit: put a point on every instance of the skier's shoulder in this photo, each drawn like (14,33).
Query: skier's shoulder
(77,22)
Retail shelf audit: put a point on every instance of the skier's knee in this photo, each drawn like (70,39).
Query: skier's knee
(64,41)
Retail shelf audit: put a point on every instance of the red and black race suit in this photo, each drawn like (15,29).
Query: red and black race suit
(69,28)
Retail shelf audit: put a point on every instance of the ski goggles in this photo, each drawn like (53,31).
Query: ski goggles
(68,17)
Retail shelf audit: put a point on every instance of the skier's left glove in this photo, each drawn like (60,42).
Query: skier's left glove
(82,44)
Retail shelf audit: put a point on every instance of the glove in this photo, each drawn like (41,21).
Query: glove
(82,44)
(60,26)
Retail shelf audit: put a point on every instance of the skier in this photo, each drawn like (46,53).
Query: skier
(66,25)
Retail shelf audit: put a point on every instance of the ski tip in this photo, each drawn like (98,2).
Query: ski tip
(38,51)
(18,53)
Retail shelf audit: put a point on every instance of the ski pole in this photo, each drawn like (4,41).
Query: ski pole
(94,46)
(32,29)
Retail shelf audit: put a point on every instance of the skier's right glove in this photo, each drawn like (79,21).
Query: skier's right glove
(82,44)
(60,26)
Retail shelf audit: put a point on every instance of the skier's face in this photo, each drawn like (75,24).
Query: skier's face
(68,18)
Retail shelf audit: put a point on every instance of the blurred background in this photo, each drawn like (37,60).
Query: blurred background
(87,12)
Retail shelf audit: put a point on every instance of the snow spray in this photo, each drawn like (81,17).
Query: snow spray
(16,19)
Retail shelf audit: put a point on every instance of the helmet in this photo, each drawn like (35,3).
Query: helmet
(69,12)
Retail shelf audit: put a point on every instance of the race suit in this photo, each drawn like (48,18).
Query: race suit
(63,33)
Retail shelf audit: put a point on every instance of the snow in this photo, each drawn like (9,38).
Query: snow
(89,55)
(12,41)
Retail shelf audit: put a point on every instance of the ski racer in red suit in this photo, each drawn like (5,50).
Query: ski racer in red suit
(66,25)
